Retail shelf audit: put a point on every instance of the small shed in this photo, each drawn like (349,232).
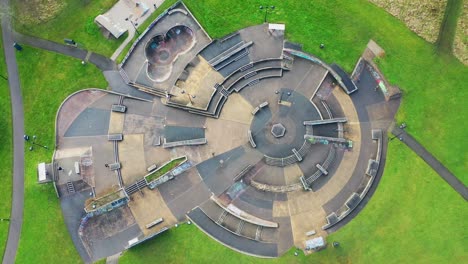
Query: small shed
(44,173)
(109,25)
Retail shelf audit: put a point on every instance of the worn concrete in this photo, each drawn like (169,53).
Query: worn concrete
(147,206)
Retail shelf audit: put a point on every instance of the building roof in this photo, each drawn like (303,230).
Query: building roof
(114,28)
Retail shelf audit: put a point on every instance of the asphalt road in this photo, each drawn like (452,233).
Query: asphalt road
(16,217)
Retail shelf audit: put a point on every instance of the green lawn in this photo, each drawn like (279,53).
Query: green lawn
(6,151)
(404,222)
(163,170)
(46,80)
(75,21)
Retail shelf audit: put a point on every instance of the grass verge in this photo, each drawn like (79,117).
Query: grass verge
(46,80)
(6,152)
(74,21)
(403,223)
(163,170)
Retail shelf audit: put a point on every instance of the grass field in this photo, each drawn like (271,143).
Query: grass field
(46,80)
(403,223)
(74,20)
(6,151)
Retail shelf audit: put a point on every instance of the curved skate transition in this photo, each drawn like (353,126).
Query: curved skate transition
(162,50)
(261,145)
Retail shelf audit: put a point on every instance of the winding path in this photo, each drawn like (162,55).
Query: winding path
(16,216)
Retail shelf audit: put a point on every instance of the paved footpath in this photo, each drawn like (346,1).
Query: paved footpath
(16,216)
(102,62)
(453,181)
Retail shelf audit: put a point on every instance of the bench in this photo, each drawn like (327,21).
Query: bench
(119,108)
(251,140)
(322,169)
(259,107)
(304,184)
(115,137)
(152,168)
(263,104)
(155,222)
(77,167)
(256,109)
(114,166)
(298,156)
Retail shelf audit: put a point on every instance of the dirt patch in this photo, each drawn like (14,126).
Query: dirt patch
(148,207)
(424,17)
(109,224)
(38,11)
(460,45)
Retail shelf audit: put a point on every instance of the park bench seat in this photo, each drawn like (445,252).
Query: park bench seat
(114,166)
(119,108)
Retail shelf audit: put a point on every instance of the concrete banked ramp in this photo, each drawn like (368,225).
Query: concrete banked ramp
(238,243)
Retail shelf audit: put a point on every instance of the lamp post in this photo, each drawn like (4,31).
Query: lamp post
(33,142)
(134,26)
(3,77)
(266,11)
